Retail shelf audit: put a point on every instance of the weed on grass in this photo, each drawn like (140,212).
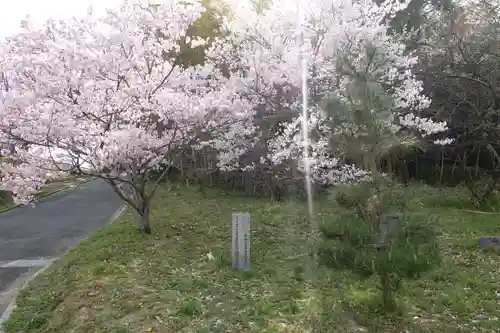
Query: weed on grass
(180,279)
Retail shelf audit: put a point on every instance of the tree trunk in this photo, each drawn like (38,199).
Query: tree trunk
(142,220)
(137,199)
(201,187)
(388,300)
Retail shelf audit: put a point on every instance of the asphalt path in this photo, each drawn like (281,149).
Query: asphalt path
(29,235)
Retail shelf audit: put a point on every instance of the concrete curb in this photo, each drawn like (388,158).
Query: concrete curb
(66,188)
(19,285)
(117,214)
(25,278)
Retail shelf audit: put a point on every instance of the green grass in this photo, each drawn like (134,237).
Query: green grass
(50,187)
(4,204)
(179,279)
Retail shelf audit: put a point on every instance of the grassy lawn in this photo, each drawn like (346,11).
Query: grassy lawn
(180,279)
(4,205)
(58,184)
(51,187)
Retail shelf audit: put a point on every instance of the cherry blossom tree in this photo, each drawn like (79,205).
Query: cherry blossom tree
(107,96)
(110,97)
(336,53)
(359,100)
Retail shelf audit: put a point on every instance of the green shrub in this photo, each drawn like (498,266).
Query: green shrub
(374,236)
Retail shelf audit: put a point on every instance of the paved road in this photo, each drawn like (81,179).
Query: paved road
(49,229)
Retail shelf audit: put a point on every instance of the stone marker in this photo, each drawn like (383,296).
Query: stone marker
(489,241)
(241,240)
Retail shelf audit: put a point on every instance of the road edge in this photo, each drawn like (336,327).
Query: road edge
(19,284)
(69,187)
(25,278)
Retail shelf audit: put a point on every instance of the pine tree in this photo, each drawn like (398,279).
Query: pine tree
(374,234)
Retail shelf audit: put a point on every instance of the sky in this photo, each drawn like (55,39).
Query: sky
(13,11)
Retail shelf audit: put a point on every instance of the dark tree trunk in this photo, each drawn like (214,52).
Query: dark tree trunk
(142,220)
(387,293)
